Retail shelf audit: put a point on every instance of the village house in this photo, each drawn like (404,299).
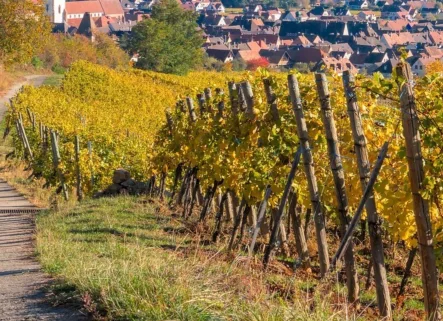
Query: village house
(276,58)
(215,7)
(367,16)
(418,64)
(220,52)
(336,65)
(73,12)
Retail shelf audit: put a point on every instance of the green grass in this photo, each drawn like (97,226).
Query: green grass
(129,261)
(53,80)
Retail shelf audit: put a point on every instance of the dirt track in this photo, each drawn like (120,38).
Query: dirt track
(21,279)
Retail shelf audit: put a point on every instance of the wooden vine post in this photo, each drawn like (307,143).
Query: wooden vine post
(56,162)
(208,98)
(347,238)
(339,180)
(92,169)
(219,217)
(249,98)
(191,109)
(279,215)
(308,163)
(77,169)
(411,134)
(260,218)
(233,97)
(272,100)
(364,168)
(24,138)
(297,227)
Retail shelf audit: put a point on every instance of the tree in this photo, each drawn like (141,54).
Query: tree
(24,29)
(168,42)
(254,64)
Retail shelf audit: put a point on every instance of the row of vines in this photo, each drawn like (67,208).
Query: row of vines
(237,138)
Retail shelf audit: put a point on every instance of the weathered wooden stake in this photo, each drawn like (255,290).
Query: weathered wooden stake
(25,140)
(92,170)
(182,191)
(177,177)
(208,203)
(347,238)
(192,115)
(308,162)
(237,221)
(56,162)
(279,214)
(300,240)
(260,218)
(249,98)
(411,134)
(208,99)
(219,218)
(221,103)
(161,190)
(339,180)
(233,96)
(77,169)
(244,219)
(241,98)
(407,273)
(272,100)
(31,117)
(194,196)
(364,168)
(201,103)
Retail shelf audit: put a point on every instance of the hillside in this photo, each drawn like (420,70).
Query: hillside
(284,157)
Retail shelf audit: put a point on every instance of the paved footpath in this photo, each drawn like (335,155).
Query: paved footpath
(21,279)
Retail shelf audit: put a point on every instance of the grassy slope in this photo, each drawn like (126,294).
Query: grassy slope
(139,264)
(136,261)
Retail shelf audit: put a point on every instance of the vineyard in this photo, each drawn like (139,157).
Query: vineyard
(273,152)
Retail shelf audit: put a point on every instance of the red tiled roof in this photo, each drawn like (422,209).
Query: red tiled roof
(112,7)
(258,22)
(80,7)
(248,55)
(436,37)
(74,22)
(302,40)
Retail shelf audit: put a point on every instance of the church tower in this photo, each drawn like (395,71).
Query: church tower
(55,9)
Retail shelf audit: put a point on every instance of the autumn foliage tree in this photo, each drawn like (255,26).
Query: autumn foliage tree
(254,64)
(24,29)
(62,51)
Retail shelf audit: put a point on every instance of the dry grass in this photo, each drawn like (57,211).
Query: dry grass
(7,79)
(130,261)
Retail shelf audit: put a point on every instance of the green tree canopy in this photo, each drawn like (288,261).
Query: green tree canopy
(24,28)
(169,41)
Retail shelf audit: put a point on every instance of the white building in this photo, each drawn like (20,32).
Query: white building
(55,9)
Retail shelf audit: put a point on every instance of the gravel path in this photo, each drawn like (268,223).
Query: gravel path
(21,279)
